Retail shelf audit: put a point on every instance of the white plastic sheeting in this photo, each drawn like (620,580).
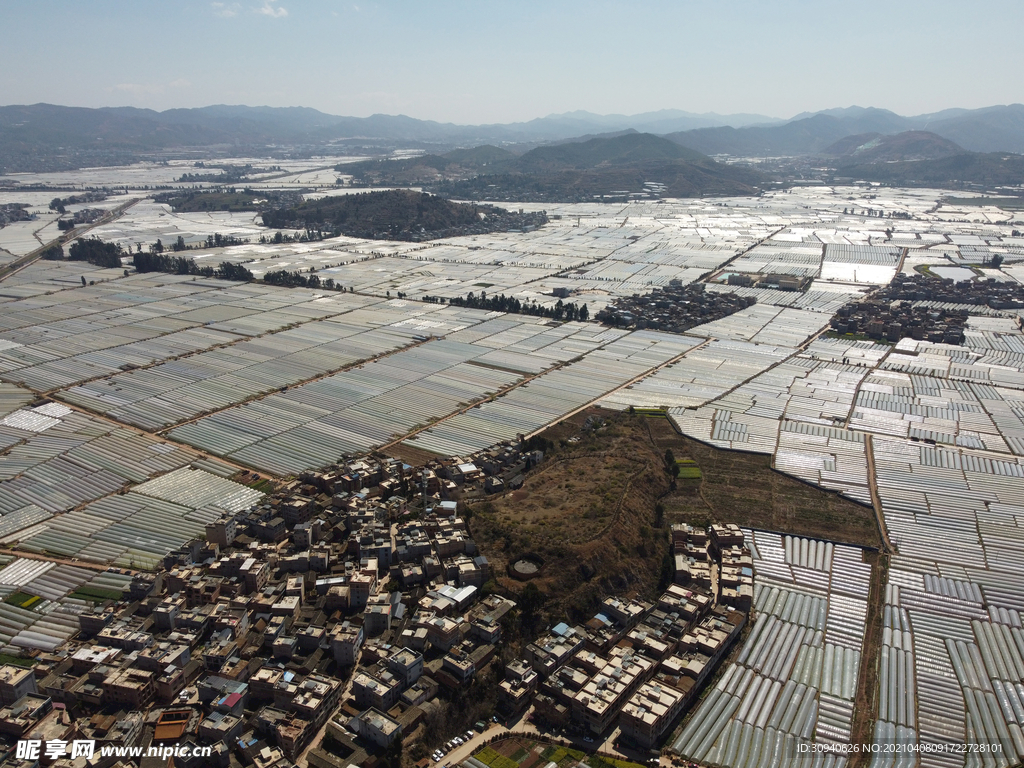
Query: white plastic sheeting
(795,678)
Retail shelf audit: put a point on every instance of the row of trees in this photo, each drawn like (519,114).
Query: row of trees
(84,216)
(155,261)
(296,279)
(96,252)
(212,241)
(309,236)
(880,214)
(229,174)
(182,265)
(223,241)
(503,303)
(59,204)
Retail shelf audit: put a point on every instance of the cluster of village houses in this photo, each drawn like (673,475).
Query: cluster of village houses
(339,608)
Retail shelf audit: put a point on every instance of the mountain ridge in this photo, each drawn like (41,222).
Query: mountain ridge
(991,129)
(563,172)
(885,148)
(52,137)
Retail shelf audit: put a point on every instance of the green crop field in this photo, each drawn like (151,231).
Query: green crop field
(22,599)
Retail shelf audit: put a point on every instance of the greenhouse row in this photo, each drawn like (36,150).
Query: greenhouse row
(53,341)
(796,676)
(138,528)
(177,390)
(75,459)
(40,609)
(549,397)
(703,374)
(371,405)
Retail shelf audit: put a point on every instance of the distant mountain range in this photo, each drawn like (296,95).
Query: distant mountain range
(993,129)
(570,156)
(660,122)
(48,137)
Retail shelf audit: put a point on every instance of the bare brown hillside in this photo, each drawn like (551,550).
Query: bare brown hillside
(597,511)
(588,512)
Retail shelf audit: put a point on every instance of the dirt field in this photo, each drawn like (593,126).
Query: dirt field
(742,488)
(414,457)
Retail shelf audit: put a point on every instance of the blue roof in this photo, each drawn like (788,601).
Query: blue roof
(560,629)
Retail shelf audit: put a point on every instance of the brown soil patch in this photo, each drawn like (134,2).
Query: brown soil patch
(743,488)
(414,457)
(588,510)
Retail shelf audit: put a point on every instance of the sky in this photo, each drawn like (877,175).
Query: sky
(492,61)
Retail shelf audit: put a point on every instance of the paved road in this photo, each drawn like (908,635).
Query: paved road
(20,263)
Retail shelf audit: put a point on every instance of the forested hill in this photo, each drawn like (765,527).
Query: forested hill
(990,170)
(398,214)
(566,172)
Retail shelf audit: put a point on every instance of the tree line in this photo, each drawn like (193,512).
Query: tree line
(212,241)
(309,236)
(503,303)
(59,204)
(92,250)
(396,214)
(183,265)
(298,280)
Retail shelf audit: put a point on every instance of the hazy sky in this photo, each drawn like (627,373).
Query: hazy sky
(493,61)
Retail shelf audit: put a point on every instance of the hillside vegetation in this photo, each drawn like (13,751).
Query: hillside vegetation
(877,148)
(566,172)
(626,150)
(990,170)
(589,512)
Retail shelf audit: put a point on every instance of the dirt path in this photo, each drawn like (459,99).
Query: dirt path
(876,501)
(865,709)
(61,560)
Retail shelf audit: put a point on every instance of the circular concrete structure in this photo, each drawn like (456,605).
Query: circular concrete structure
(527,567)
